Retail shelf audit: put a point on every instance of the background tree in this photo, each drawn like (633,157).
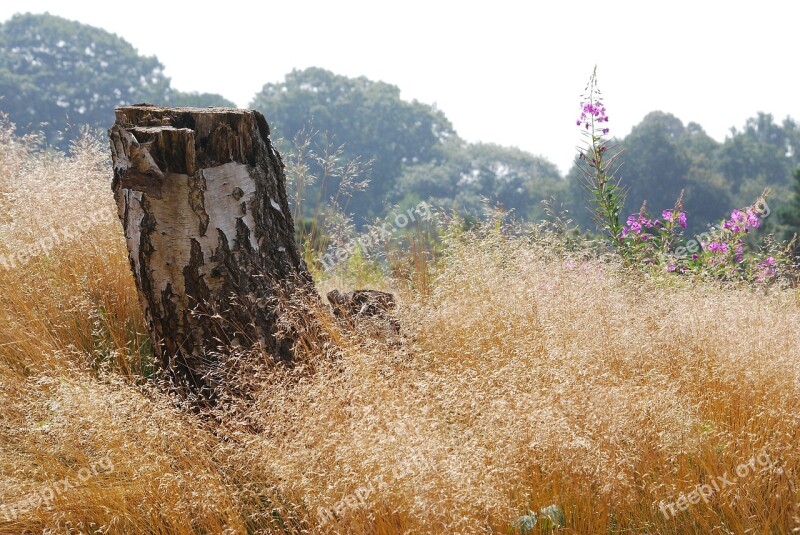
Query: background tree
(369,118)
(57,75)
(469,173)
(707,195)
(789,213)
(762,154)
(656,165)
(662,157)
(197,100)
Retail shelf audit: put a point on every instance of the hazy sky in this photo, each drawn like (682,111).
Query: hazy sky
(503,72)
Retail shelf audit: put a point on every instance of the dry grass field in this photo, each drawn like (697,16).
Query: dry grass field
(526,376)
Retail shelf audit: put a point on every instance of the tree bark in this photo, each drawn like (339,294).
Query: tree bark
(202,200)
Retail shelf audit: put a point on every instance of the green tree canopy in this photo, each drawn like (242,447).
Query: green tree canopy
(657,165)
(789,214)
(198,100)
(764,153)
(57,75)
(660,158)
(369,118)
(469,173)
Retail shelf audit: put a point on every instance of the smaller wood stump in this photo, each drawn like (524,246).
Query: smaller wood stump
(359,305)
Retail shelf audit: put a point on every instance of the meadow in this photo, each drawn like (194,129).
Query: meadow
(531,371)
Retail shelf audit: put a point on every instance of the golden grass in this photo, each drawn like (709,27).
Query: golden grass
(526,377)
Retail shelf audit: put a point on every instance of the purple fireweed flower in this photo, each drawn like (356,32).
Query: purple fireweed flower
(642,220)
(718,247)
(666,215)
(636,227)
(739,254)
(766,269)
(682,219)
(593,112)
(752,218)
(694,256)
(670,267)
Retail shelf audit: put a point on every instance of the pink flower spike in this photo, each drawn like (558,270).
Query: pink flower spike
(752,218)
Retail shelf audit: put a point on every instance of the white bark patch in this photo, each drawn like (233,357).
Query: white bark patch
(229,187)
(171,239)
(222,203)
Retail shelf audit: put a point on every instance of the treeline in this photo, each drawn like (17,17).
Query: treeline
(56,75)
(662,156)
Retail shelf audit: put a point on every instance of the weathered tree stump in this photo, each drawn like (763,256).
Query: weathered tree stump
(202,200)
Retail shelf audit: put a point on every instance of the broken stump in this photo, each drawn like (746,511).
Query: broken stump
(202,200)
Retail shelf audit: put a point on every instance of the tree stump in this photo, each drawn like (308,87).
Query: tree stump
(202,200)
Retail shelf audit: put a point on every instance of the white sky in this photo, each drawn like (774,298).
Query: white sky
(502,71)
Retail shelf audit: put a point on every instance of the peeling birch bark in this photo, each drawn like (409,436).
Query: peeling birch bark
(202,200)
